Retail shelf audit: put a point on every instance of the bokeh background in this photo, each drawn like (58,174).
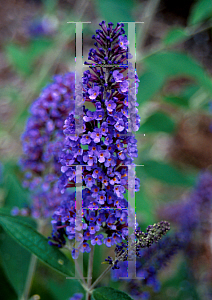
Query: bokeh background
(174,66)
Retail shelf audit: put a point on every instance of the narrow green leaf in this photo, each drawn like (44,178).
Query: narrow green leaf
(201,11)
(166,173)
(158,122)
(18,59)
(108,293)
(150,83)
(50,6)
(36,243)
(168,63)
(15,261)
(179,101)
(115,11)
(38,47)
(189,91)
(175,35)
(15,194)
(7,291)
(22,58)
(66,287)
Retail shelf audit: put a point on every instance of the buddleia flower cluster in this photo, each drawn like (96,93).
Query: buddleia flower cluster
(42,142)
(105,149)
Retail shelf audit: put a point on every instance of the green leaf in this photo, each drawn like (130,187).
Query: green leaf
(18,58)
(201,11)
(189,91)
(38,47)
(158,122)
(150,83)
(115,11)
(166,173)
(22,59)
(15,194)
(7,291)
(179,101)
(169,64)
(108,293)
(50,6)
(182,280)
(36,243)
(64,287)
(144,207)
(175,35)
(15,261)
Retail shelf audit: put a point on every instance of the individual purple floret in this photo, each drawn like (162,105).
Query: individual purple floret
(105,147)
(43,141)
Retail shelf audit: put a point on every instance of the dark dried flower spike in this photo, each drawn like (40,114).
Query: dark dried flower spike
(143,240)
(153,235)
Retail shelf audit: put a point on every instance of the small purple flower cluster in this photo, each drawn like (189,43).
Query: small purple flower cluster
(104,149)
(192,216)
(45,26)
(194,212)
(42,143)
(149,262)
(77,296)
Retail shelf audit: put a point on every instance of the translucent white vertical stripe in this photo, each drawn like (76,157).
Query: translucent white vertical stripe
(78,79)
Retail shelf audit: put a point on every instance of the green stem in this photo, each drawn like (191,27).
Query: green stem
(100,277)
(28,283)
(149,14)
(120,258)
(90,271)
(190,32)
(32,266)
(82,280)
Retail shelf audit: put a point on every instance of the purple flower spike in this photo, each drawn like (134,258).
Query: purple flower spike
(104,147)
(43,142)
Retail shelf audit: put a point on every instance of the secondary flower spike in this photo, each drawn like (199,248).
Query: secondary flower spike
(104,149)
(42,143)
